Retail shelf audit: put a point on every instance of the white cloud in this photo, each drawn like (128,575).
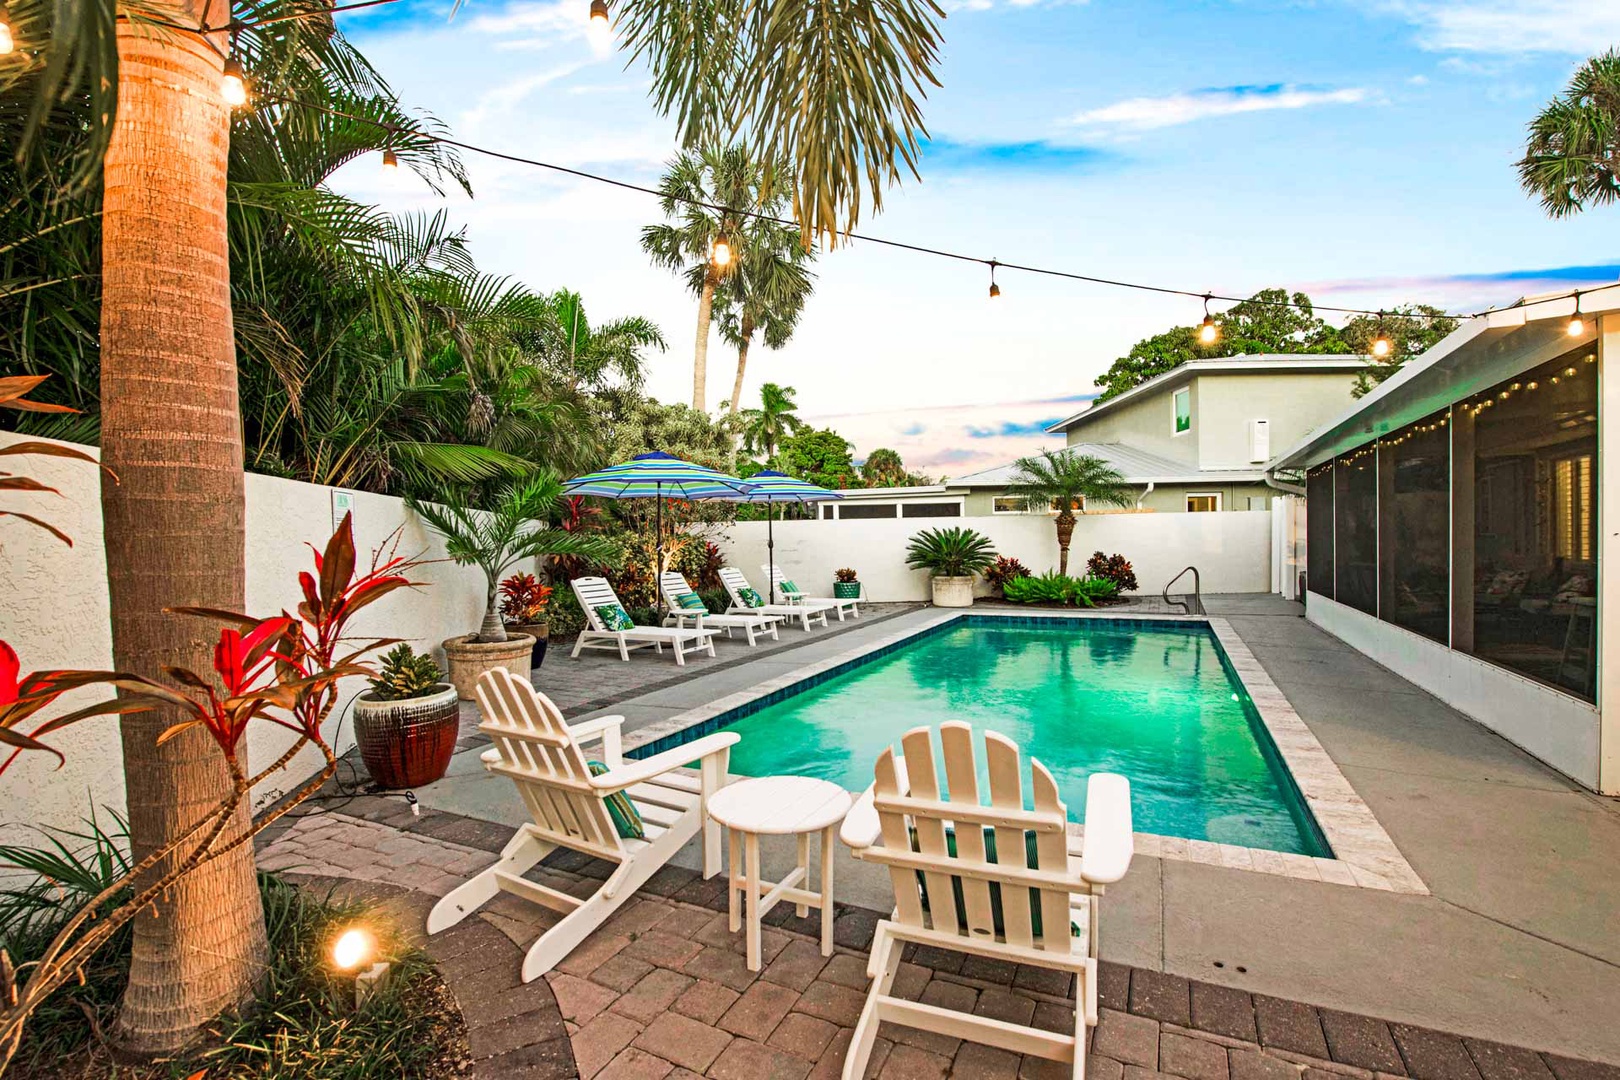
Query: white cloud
(1146,113)
(1508,27)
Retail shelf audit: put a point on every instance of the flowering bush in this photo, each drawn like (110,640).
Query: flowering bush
(524,599)
(1115,568)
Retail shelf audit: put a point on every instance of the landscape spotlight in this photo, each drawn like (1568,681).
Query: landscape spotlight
(352,949)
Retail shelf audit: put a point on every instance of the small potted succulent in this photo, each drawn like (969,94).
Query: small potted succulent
(846,587)
(406,724)
(951,556)
(523,608)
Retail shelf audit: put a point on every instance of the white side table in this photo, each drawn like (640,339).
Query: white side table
(779,806)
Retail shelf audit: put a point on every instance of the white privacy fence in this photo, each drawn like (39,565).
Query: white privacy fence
(54,612)
(1232,550)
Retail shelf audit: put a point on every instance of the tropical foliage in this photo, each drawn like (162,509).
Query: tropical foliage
(1064,479)
(1003,570)
(821,456)
(775,419)
(952,552)
(1058,588)
(1572,156)
(1116,568)
(405,673)
(884,468)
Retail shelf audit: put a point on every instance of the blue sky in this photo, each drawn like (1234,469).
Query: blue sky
(1361,150)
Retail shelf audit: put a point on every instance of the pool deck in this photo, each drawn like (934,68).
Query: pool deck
(1517,939)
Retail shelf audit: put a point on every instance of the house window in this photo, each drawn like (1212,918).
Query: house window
(1199,502)
(1181,404)
(931,509)
(1078,506)
(1007,504)
(859,511)
(1319,530)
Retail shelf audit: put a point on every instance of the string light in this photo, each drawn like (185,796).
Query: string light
(599,13)
(721,252)
(1381,345)
(995,290)
(390,161)
(1207,332)
(7,43)
(1577,325)
(233,84)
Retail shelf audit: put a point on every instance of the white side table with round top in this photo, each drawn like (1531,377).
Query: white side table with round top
(779,806)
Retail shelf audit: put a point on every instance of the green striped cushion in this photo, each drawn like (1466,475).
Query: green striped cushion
(692,602)
(626,818)
(789,587)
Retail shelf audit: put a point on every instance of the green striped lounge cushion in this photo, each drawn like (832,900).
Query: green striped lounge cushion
(626,818)
(692,602)
(750,598)
(615,617)
(789,587)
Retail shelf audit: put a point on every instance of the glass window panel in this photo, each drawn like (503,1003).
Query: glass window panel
(930,510)
(1007,504)
(1319,530)
(1355,529)
(1205,503)
(1414,534)
(1534,475)
(853,511)
(1183,406)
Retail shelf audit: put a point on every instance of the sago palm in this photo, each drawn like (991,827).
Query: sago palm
(1572,157)
(510,531)
(1061,479)
(764,428)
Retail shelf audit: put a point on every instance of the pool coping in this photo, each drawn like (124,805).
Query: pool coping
(1364,854)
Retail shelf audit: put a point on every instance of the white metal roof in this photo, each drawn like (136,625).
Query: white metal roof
(1135,465)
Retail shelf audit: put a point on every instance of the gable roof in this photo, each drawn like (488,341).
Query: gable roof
(1256,364)
(1135,465)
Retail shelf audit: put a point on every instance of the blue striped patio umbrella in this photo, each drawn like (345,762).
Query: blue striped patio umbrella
(657,476)
(770,488)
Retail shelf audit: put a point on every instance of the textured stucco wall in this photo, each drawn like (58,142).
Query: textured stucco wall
(54,613)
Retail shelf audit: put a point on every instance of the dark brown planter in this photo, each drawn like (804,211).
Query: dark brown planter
(538,631)
(407,743)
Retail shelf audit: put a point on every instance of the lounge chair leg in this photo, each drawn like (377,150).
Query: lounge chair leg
(680,654)
(579,643)
(624,649)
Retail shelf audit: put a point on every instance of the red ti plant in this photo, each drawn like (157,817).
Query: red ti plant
(524,599)
(283,670)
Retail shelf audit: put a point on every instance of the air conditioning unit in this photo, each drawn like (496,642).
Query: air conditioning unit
(1259,440)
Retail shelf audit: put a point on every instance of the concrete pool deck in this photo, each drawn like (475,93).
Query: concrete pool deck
(1518,939)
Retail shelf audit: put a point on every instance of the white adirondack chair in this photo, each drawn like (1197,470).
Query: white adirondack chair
(542,755)
(674,586)
(594,592)
(908,812)
(735,583)
(795,597)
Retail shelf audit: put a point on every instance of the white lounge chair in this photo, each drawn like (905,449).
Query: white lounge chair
(796,597)
(543,756)
(674,587)
(735,583)
(1044,915)
(595,592)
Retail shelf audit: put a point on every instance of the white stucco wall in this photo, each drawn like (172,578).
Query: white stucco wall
(53,611)
(1232,551)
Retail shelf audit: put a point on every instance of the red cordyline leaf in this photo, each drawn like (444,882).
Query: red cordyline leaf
(9,666)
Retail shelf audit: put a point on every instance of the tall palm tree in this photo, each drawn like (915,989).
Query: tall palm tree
(685,244)
(510,531)
(766,294)
(833,87)
(1572,157)
(1062,479)
(595,357)
(764,428)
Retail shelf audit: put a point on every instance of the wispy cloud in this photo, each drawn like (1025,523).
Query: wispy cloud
(1009,429)
(1036,156)
(1508,27)
(1148,113)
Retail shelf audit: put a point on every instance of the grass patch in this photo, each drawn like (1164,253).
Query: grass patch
(303,1023)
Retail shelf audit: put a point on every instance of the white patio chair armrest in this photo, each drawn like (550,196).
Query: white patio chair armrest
(1106,854)
(861,827)
(605,729)
(639,772)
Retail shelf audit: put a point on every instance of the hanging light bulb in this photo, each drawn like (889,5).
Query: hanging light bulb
(599,30)
(995,290)
(233,85)
(721,252)
(390,161)
(1207,332)
(1577,325)
(7,43)
(599,14)
(1381,345)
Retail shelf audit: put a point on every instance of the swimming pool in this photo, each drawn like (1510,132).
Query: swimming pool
(1153,700)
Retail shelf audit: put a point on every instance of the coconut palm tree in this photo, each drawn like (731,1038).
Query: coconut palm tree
(764,428)
(834,88)
(1572,157)
(510,531)
(1063,480)
(766,294)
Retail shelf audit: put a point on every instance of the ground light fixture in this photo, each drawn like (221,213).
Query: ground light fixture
(353,951)
(1577,325)
(233,83)
(7,43)
(721,251)
(1381,345)
(1207,331)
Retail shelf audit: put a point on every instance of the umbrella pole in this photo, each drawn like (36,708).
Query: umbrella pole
(658,551)
(770,543)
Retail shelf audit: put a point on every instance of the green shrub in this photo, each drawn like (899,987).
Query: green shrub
(953,552)
(564,619)
(716,600)
(404,675)
(1115,568)
(1055,588)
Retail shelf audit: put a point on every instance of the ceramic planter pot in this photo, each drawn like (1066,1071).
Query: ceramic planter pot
(408,742)
(846,590)
(953,591)
(468,658)
(539,632)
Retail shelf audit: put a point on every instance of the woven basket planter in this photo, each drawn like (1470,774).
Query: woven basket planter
(407,743)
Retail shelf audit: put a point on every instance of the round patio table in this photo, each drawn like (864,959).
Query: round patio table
(779,806)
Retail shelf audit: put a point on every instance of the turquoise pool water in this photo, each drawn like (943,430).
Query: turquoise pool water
(1152,701)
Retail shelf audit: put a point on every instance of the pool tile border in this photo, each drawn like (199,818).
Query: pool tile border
(1365,856)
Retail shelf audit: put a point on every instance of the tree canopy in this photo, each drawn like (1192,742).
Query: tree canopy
(821,456)
(1572,154)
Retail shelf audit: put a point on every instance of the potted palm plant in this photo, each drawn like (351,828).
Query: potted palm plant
(523,606)
(406,724)
(1063,481)
(952,556)
(493,540)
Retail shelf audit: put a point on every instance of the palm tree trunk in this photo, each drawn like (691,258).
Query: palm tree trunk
(493,629)
(1065,531)
(700,355)
(171,432)
(747,330)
